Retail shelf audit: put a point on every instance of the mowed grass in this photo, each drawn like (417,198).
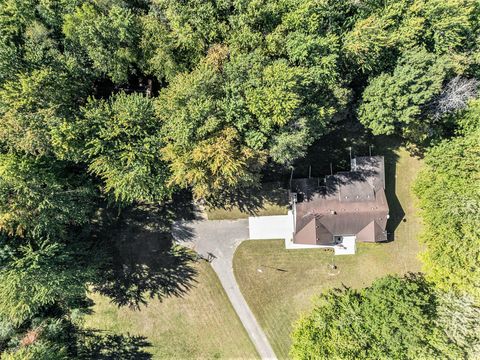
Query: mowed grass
(279,284)
(233,213)
(200,325)
(271,199)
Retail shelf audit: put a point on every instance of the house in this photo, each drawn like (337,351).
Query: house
(335,212)
(342,208)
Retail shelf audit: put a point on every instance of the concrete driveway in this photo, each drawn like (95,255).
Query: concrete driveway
(271,227)
(217,240)
(214,238)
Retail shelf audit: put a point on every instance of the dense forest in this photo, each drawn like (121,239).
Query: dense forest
(114,106)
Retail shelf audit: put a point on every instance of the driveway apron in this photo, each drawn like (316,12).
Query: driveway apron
(216,240)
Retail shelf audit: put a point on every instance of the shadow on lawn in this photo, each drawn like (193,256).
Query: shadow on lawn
(334,148)
(251,200)
(100,346)
(388,145)
(139,259)
(331,153)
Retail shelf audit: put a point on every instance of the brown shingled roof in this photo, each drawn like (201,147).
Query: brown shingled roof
(350,203)
(314,232)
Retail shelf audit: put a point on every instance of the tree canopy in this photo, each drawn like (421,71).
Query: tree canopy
(107,34)
(397,103)
(35,279)
(39,197)
(123,104)
(394,318)
(449,193)
(121,144)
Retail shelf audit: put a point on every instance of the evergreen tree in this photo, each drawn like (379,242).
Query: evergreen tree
(37,277)
(41,197)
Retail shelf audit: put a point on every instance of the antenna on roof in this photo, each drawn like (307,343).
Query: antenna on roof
(331,169)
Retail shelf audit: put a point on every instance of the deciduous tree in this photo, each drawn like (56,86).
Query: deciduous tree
(393,318)
(122,146)
(396,103)
(449,193)
(109,34)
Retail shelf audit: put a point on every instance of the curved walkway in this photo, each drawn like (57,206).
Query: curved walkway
(217,240)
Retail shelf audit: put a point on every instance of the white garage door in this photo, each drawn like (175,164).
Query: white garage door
(271,227)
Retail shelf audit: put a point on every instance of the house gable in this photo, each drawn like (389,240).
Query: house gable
(349,203)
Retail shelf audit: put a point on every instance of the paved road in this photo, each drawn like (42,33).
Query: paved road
(217,240)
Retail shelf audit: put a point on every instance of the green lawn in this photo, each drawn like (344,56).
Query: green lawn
(279,284)
(271,199)
(202,324)
(235,213)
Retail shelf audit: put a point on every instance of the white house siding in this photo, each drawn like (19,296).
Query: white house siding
(282,227)
(347,247)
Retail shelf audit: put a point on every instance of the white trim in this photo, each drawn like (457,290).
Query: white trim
(283,227)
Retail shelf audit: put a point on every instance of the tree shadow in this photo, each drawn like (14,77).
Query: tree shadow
(137,258)
(331,154)
(96,345)
(245,199)
(182,231)
(387,145)
(307,189)
(251,200)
